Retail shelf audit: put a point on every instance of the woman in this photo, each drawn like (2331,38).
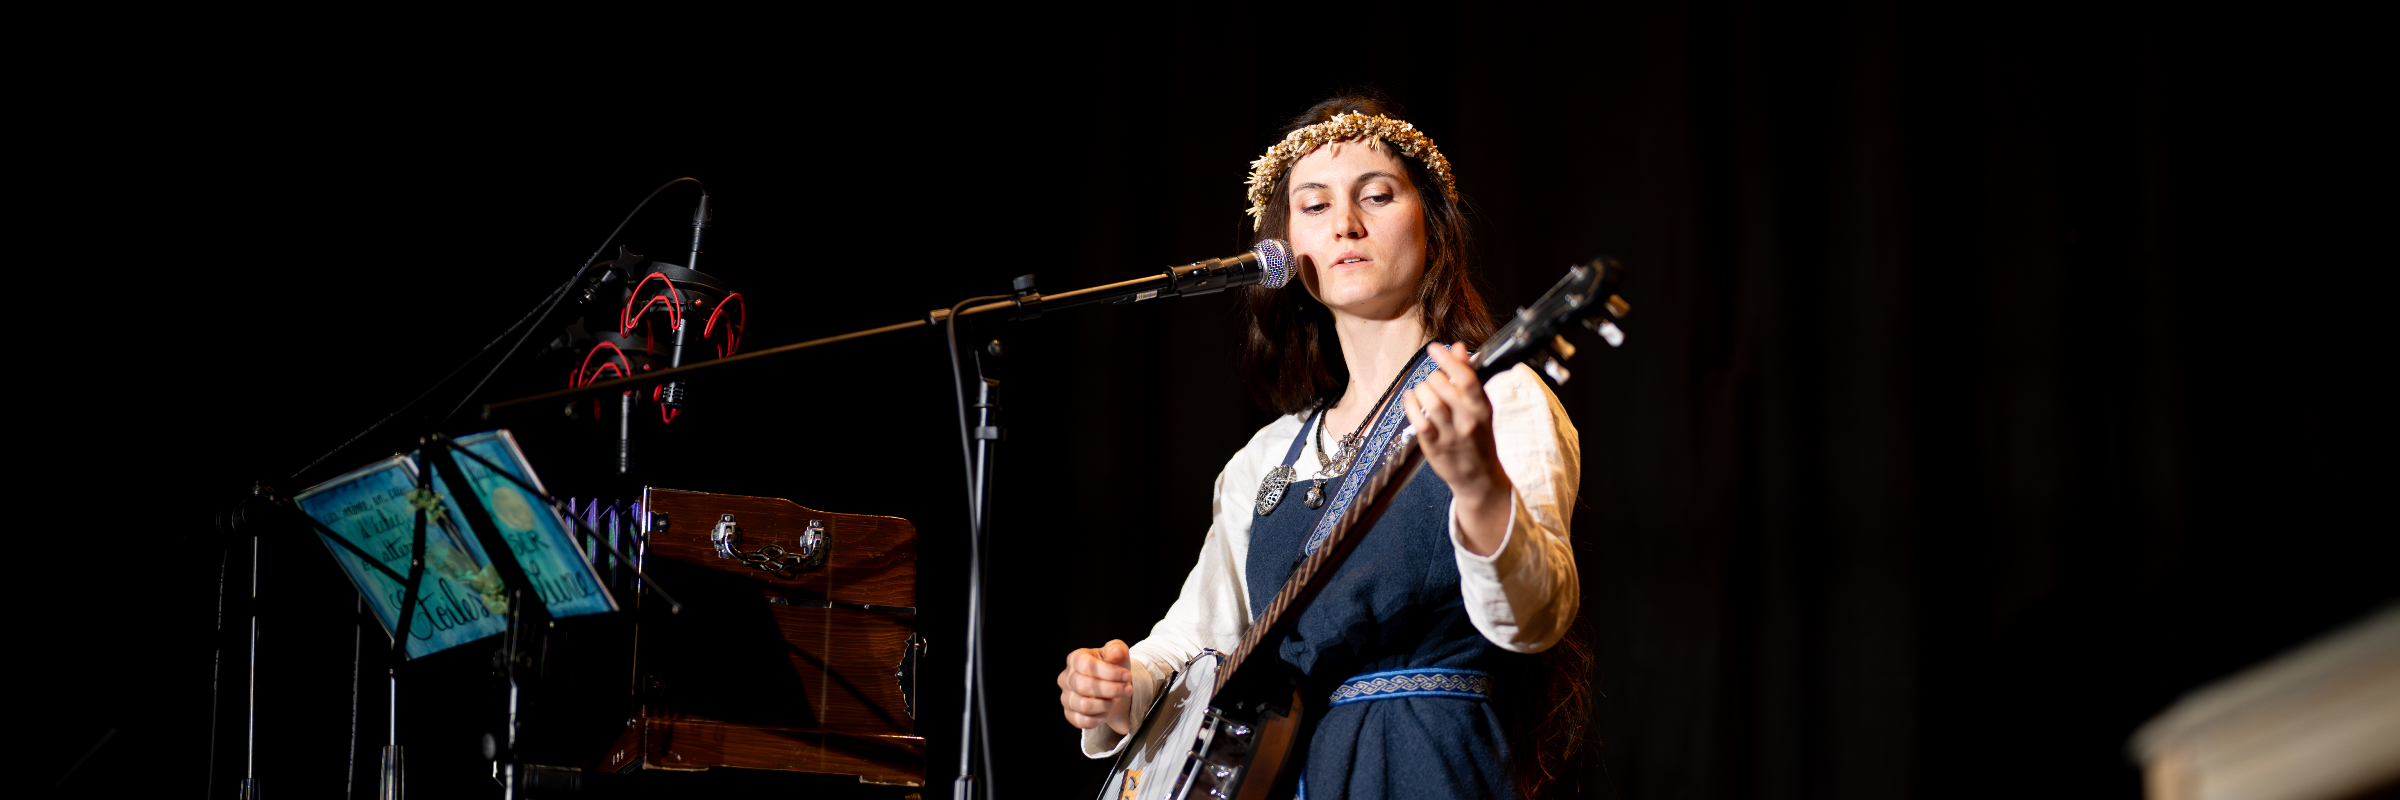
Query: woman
(1461,571)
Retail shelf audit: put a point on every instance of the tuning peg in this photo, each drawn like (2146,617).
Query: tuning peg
(1611,332)
(1558,373)
(1617,307)
(1608,331)
(1560,345)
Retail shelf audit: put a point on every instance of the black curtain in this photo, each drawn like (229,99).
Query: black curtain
(1996,374)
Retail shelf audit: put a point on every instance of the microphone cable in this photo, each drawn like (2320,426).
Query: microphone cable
(539,310)
(981,731)
(552,303)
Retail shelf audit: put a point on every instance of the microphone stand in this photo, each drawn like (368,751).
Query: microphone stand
(527,613)
(974,724)
(236,522)
(249,785)
(358,652)
(1200,278)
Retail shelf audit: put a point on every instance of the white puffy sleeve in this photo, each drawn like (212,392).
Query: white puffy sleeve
(1213,611)
(1524,595)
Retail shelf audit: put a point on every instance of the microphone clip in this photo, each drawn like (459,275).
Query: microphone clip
(1029,302)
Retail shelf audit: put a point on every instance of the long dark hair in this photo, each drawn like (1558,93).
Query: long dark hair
(1291,360)
(1289,355)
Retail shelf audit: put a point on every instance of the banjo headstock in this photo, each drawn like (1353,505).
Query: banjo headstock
(1586,296)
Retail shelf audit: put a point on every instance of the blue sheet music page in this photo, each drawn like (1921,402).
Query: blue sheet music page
(374,509)
(536,534)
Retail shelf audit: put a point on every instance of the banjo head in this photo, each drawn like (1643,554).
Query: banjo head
(1158,759)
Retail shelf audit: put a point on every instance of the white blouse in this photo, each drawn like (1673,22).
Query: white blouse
(1521,597)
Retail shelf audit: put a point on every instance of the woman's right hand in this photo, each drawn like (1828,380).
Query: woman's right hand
(1097,687)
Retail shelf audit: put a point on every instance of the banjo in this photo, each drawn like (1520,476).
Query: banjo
(1220,732)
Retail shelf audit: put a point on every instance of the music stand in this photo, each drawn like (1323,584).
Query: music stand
(436,492)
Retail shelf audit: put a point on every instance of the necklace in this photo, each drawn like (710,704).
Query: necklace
(1327,465)
(1325,462)
(1270,489)
(1338,465)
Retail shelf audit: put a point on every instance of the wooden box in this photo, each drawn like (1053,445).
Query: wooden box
(807,668)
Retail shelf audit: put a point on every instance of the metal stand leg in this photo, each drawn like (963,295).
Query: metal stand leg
(249,790)
(391,782)
(358,640)
(236,522)
(515,653)
(216,674)
(394,775)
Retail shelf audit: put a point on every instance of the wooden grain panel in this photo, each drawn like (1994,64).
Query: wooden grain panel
(689,745)
(738,681)
(793,667)
(872,559)
(698,745)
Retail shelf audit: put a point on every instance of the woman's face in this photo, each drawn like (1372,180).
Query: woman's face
(1359,229)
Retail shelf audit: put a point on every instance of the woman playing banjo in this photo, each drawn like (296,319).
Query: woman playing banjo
(1460,573)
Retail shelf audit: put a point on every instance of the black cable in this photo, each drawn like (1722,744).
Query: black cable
(437,386)
(981,731)
(983,716)
(958,382)
(561,294)
(541,308)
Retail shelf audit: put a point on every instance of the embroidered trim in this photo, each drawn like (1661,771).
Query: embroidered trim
(1420,682)
(1369,454)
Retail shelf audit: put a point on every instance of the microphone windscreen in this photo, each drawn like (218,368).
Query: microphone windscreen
(1275,260)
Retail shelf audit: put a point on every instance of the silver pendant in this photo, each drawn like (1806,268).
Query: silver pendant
(1270,491)
(1315,497)
(1343,459)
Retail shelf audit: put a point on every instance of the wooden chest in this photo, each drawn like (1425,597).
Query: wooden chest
(796,647)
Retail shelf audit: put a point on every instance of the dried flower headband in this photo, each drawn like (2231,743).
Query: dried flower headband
(1402,135)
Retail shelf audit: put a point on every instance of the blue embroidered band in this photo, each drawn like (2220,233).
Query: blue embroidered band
(1394,416)
(1470,684)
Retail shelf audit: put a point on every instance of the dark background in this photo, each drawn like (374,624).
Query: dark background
(1996,374)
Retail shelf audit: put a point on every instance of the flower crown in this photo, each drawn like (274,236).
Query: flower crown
(1402,135)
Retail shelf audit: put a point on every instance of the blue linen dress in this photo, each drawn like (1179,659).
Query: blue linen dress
(1393,606)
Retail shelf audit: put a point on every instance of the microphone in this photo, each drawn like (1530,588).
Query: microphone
(672,395)
(1268,264)
(700,219)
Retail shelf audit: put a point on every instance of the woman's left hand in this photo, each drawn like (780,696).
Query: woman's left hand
(1453,419)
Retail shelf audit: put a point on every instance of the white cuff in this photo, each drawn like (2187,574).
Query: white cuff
(1509,594)
(1508,536)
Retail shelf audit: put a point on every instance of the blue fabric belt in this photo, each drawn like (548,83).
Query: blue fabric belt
(1470,684)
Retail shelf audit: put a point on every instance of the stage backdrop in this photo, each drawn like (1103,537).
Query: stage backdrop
(1996,375)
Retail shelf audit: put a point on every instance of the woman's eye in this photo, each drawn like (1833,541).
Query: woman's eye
(1314,208)
(1378,199)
